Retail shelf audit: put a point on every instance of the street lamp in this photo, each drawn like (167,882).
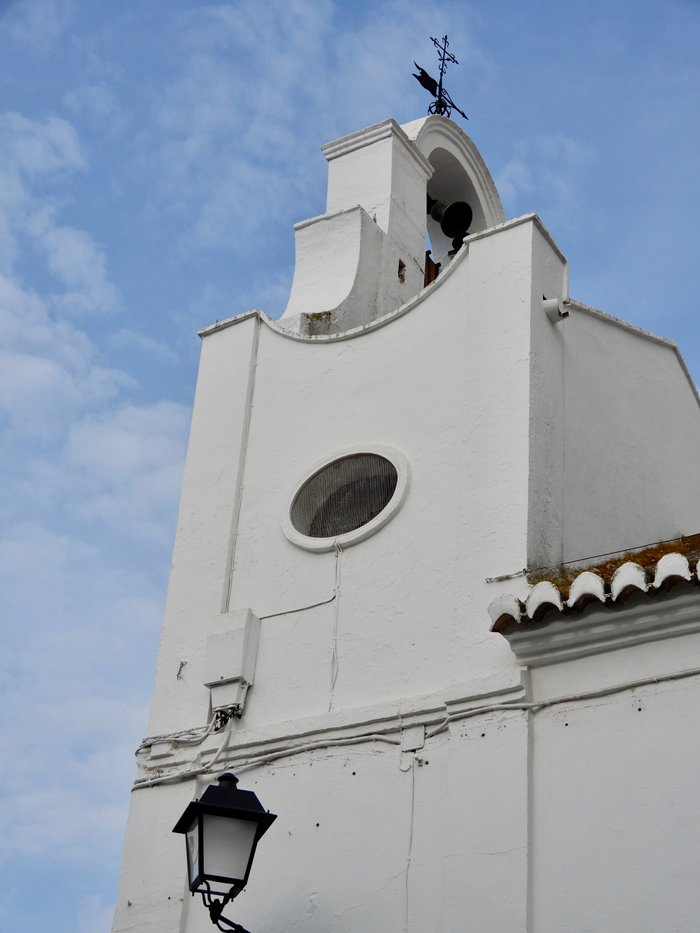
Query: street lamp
(221,832)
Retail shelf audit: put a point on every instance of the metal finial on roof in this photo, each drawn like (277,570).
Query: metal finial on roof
(443,103)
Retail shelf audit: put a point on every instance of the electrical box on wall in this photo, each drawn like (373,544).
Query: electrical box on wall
(230,660)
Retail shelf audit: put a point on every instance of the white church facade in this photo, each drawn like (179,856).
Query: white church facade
(436,554)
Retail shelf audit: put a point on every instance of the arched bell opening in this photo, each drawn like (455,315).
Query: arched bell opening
(453,208)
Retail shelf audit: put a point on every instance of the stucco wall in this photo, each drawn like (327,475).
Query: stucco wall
(615,430)
(207,519)
(615,813)
(506,420)
(447,385)
(631,442)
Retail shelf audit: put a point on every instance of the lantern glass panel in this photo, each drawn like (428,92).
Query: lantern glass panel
(193,850)
(227,846)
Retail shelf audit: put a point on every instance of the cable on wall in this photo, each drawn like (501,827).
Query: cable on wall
(187,737)
(336,616)
(409,855)
(242,457)
(557,701)
(508,706)
(256,762)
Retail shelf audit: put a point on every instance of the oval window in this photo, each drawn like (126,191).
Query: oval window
(344,495)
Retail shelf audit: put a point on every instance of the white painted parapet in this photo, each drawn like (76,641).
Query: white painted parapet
(339,261)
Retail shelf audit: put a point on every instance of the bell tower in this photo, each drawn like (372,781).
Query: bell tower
(364,477)
(366,256)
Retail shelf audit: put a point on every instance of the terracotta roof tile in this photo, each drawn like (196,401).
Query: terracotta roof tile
(612,580)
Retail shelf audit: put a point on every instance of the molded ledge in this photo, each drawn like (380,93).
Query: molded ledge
(606,629)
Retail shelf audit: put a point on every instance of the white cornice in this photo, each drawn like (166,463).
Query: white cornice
(373,134)
(601,628)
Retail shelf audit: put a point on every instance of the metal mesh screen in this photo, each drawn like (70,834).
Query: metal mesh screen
(344,496)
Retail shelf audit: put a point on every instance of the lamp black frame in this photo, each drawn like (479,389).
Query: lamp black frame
(224,800)
(216,908)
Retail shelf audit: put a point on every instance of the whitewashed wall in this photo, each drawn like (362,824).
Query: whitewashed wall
(523,446)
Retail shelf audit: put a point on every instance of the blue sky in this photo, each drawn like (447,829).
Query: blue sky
(153,158)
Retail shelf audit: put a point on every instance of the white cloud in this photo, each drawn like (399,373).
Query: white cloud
(515,181)
(80,265)
(96,100)
(135,340)
(84,470)
(229,133)
(35,147)
(50,370)
(34,389)
(126,441)
(31,150)
(99,109)
(77,606)
(34,151)
(128,463)
(38,23)
(546,173)
(236,203)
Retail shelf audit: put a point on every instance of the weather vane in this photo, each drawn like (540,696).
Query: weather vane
(443,103)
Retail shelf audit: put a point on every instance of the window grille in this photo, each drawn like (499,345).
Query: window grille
(344,495)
